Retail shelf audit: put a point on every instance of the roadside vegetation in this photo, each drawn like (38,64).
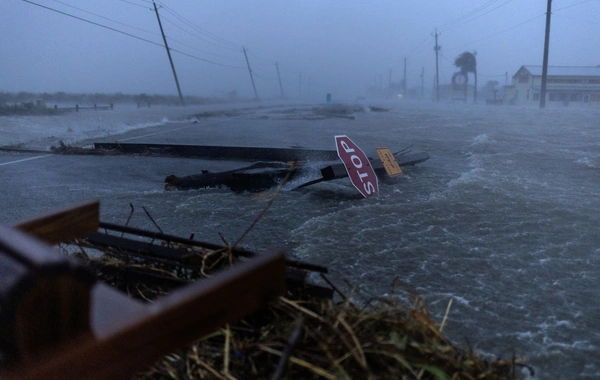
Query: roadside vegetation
(26,108)
(30,103)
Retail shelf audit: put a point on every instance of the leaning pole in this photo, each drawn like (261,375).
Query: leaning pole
(169,54)
(545,63)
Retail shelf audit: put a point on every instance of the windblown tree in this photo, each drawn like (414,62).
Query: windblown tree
(468,64)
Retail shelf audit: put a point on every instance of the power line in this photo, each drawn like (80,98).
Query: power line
(478,16)
(203,31)
(231,45)
(572,5)
(265,77)
(106,18)
(467,15)
(130,35)
(266,61)
(197,36)
(420,45)
(93,23)
(138,5)
(187,45)
(576,19)
(206,60)
(498,33)
(446,58)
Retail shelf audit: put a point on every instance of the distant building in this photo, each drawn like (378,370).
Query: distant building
(565,86)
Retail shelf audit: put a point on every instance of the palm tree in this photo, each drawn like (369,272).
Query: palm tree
(468,64)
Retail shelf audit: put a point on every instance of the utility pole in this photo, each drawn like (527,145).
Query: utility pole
(250,71)
(300,85)
(169,54)
(279,77)
(545,63)
(422,81)
(437,72)
(404,87)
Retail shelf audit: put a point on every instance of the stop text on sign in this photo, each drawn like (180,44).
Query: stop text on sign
(357,166)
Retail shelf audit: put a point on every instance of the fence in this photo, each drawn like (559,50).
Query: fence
(95,107)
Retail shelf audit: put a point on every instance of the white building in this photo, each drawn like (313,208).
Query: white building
(565,86)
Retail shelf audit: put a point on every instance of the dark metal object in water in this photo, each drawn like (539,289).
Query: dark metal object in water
(261,176)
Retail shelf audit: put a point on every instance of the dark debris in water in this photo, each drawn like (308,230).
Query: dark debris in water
(223,113)
(378,109)
(330,111)
(62,148)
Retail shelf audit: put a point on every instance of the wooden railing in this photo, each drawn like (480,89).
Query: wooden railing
(77,107)
(58,322)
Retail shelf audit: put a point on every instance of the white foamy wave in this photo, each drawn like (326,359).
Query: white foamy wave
(527,335)
(41,132)
(475,161)
(472,176)
(577,345)
(591,370)
(73,137)
(119,130)
(461,300)
(589,162)
(481,139)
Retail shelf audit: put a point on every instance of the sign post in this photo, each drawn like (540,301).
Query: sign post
(357,165)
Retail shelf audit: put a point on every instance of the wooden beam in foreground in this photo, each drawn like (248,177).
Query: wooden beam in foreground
(141,335)
(64,225)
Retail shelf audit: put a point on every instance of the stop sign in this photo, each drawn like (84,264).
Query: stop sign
(357,165)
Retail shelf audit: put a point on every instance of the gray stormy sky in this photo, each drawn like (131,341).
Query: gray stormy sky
(340,47)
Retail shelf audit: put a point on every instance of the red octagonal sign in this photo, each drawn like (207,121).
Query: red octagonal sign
(357,165)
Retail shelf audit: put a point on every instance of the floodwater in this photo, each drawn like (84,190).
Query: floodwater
(503,218)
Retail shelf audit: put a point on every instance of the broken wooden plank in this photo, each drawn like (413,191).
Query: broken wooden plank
(172,238)
(29,251)
(168,324)
(64,225)
(44,297)
(106,240)
(135,247)
(180,258)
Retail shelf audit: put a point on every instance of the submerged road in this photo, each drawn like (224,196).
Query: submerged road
(502,218)
(35,183)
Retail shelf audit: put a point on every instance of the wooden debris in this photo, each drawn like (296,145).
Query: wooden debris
(378,109)
(57,321)
(133,341)
(182,291)
(64,225)
(382,338)
(44,298)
